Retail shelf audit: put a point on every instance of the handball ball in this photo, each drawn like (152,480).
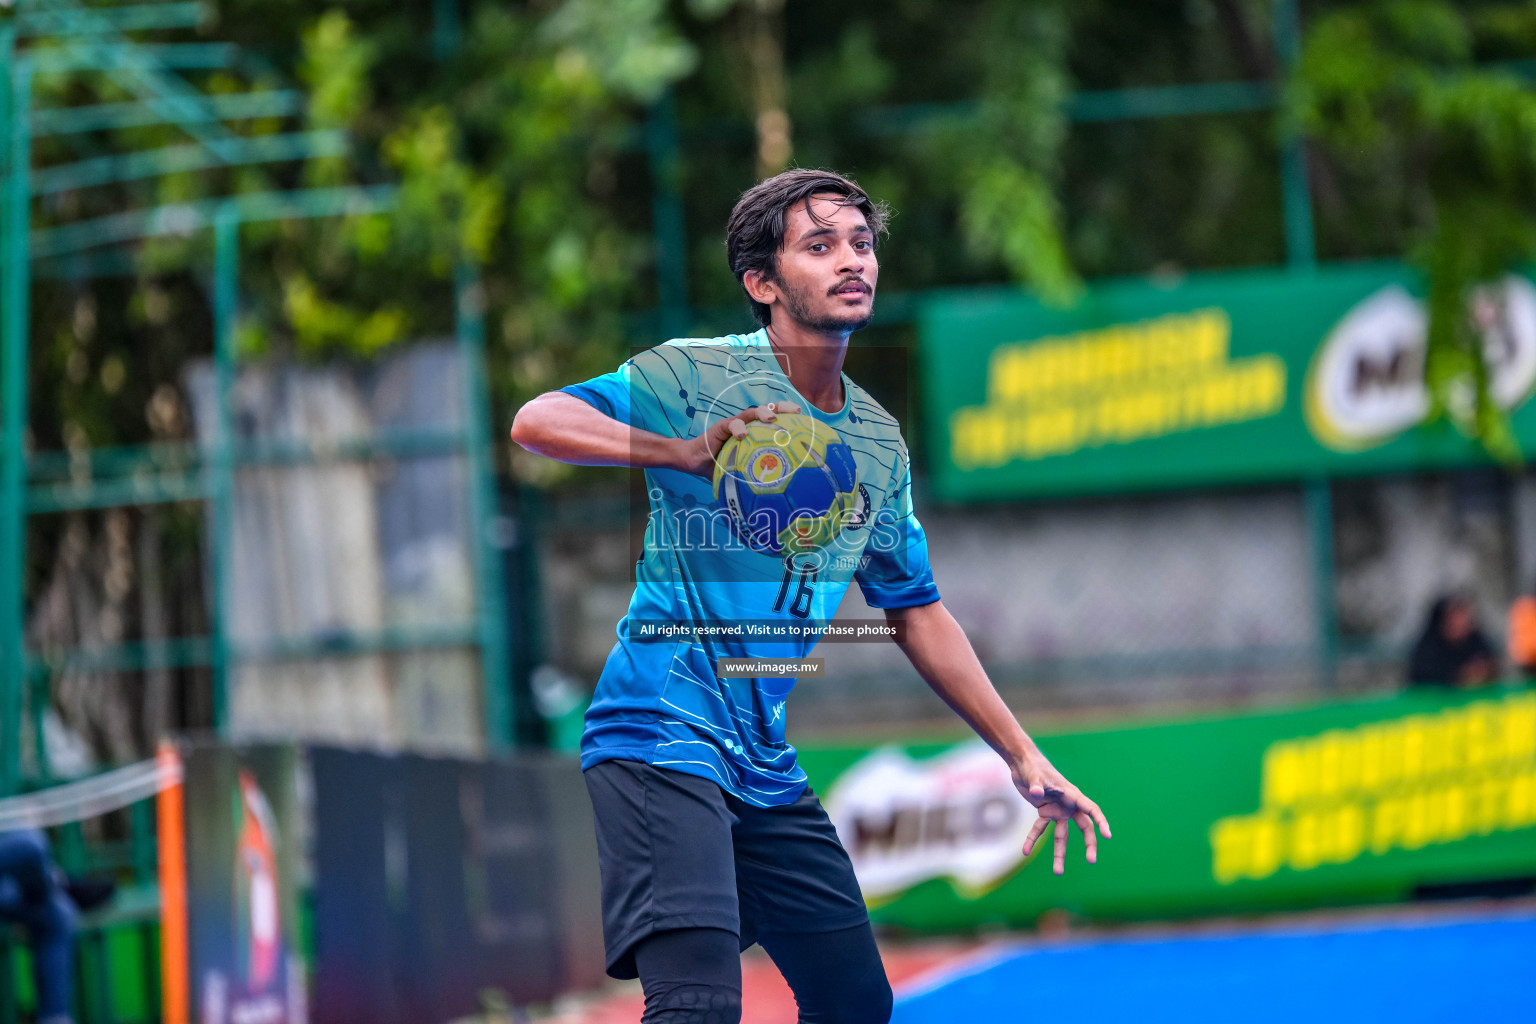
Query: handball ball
(787,486)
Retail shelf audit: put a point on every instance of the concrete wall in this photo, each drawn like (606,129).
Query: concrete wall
(325,553)
(1127,605)
(1093,603)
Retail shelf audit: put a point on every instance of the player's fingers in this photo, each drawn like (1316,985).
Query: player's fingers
(1059,861)
(736,427)
(1090,839)
(719,432)
(787,407)
(751,412)
(768,412)
(1035,832)
(1096,814)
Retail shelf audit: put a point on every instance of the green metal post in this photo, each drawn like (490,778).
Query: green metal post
(10,688)
(668,228)
(490,604)
(221,486)
(533,514)
(1300,244)
(446,31)
(39,693)
(1318,497)
(9,1012)
(141,837)
(14,316)
(1301,254)
(490,593)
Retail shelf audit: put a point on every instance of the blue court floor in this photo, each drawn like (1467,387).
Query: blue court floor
(1450,968)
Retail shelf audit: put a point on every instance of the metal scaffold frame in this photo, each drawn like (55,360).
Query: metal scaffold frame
(93,40)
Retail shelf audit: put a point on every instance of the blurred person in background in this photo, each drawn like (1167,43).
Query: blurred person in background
(1522,635)
(33,894)
(1452,651)
(37,895)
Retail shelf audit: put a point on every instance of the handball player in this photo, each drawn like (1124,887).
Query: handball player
(709,838)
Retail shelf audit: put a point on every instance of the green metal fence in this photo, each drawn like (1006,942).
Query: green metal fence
(63,36)
(118,964)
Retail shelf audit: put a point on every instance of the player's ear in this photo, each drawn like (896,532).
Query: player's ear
(759,287)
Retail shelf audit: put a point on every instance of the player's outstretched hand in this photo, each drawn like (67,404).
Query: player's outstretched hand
(1057,800)
(699,452)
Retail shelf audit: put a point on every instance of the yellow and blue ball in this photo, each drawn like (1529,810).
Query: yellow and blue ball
(787,487)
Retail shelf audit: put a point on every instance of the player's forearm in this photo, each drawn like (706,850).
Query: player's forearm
(561,426)
(943,656)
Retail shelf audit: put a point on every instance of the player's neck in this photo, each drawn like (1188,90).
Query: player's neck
(812,361)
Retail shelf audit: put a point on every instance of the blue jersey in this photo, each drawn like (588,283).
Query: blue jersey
(663,702)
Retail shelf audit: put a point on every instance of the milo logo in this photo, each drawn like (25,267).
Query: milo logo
(955,816)
(1366,383)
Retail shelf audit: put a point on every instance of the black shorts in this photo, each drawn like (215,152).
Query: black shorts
(677,851)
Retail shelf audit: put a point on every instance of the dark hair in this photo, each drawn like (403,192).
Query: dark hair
(1434,624)
(754,236)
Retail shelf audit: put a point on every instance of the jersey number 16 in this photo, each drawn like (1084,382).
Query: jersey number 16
(805,582)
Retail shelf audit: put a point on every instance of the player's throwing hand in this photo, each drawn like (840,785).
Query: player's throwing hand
(699,452)
(1057,800)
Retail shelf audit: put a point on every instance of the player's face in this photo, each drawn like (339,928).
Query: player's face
(827,270)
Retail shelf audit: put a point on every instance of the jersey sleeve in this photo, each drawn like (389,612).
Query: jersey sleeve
(895,572)
(651,390)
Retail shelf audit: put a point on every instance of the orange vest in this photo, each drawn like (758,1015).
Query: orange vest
(1522,632)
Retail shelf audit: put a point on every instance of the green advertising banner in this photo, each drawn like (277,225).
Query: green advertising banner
(1221,378)
(1329,805)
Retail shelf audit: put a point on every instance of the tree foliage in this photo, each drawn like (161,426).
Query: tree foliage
(1005,164)
(516,137)
(1414,94)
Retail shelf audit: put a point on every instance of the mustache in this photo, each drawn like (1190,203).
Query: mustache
(850,280)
